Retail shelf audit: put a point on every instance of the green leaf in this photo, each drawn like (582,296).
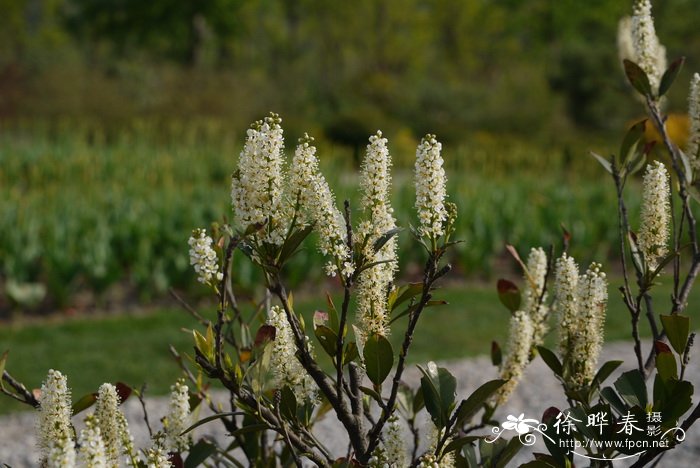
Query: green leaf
(677,329)
(666,366)
(333,319)
(509,294)
(84,403)
(670,75)
(551,360)
(632,388)
(439,393)
(469,407)
(350,353)
(379,358)
(327,338)
(613,399)
(637,78)
(628,148)
(496,354)
(687,166)
(605,371)
(213,417)
(458,443)
(507,454)
(384,238)
(372,393)
(199,452)
(404,293)
(679,400)
(202,344)
(288,403)
(603,162)
(293,242)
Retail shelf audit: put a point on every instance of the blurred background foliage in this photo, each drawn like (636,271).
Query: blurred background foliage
(120,122)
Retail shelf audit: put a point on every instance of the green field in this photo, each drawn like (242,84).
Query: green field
(134,348)
(95,218)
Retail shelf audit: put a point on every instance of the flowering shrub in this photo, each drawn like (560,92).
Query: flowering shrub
(264,357)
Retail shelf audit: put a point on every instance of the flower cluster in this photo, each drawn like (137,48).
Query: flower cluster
(317,205)
(534,299)
(256,189)
(527,325)
(114,428)
(54,430)
(156,455)
(655,219)
(391,451)
(373,283)
(430,188)
(580,301)
(517,354)
(262,193)
(92,448)
(650,55)
(287,368)
(693,148)
(430,460)
(625,40)
(105,441)
(177,419)
(203,257)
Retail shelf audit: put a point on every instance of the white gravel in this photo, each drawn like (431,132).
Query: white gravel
(538,391)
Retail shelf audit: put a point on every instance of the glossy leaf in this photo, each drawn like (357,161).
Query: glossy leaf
(551,360)
(351,353)
(439,393)
(404,293)
(509,294)
(386,237)
(670,75)
(632,388)
(628,148)
(213,417)
(199,452)
(288,403)
(123,391)
(84,403)
(379,358)
(603,162)
(333,319)
(293,242)
(469,407)
(605,371)
(666,366)
(637,78)
(265,334)
(677,329)
(327,338)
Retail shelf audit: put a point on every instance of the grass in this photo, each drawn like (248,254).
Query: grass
(134,348)
(82,210)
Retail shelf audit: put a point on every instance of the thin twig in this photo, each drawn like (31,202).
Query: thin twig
(25,396)
(139,395)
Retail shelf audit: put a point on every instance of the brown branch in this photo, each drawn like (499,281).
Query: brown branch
(25,396)
(324,384)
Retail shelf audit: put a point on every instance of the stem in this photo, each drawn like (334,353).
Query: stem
(430,276)
(324,384)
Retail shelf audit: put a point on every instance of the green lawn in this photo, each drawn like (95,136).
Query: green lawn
(134,348)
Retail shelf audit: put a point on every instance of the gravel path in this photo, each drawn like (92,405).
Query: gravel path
(538,391)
